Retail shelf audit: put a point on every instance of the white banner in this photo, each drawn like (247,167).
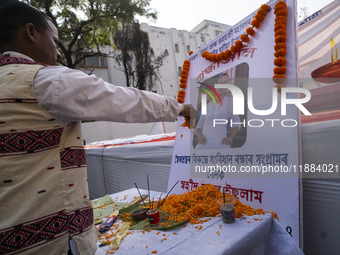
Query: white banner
(261,167)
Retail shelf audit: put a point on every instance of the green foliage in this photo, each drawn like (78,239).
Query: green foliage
(85,25)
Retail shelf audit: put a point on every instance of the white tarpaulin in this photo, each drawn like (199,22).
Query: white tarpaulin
(319,63)
(116,165)
(319,42)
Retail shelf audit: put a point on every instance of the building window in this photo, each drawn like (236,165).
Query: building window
(217,33)
(202,38)
(179,71)
(176,47)
(94,61)
(188,49)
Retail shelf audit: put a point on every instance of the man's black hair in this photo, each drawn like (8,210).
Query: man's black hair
(13,15)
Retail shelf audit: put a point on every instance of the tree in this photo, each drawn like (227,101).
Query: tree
(85,26)
(136,58)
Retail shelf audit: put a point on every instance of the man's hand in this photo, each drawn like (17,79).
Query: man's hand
(189,112)
(201,138)
(226,141)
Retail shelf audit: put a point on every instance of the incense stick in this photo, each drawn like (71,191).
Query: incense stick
(159,201)
(223,196)
(169,192)
(140,195)
(147,178)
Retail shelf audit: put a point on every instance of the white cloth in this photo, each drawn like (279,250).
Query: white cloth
(214,135)
(265,237)
(72,95)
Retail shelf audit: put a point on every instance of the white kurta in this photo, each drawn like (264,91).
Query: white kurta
(72,95)
(214,135)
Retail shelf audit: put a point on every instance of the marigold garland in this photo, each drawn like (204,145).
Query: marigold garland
(256,22)
(280,10)
(183,85)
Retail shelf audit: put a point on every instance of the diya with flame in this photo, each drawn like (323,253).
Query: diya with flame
(329,73)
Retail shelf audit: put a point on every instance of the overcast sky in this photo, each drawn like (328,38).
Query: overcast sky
(186,14)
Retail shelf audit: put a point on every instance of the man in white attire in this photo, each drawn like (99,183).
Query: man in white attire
(222,135)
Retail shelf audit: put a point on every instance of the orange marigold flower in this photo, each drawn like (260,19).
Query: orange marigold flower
(282,13)
(187,62)
(186,67)
(280,70)
(280,53)
(281,31)
(250,31)
(280,61)
(280,4)
(233,49)
(262,12)
(239,44)
(259,17)
(215,58)
(255,23)
(204,53)
(244,38)
(279,46)
(219,57)
(279,26)
(279,7)
(265,7)
(190,52)
(182,85)
(227,53)
(222,56)
(279,78)
(184,72)
(183,80)
(180,100)
(280,38)
(279,19)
